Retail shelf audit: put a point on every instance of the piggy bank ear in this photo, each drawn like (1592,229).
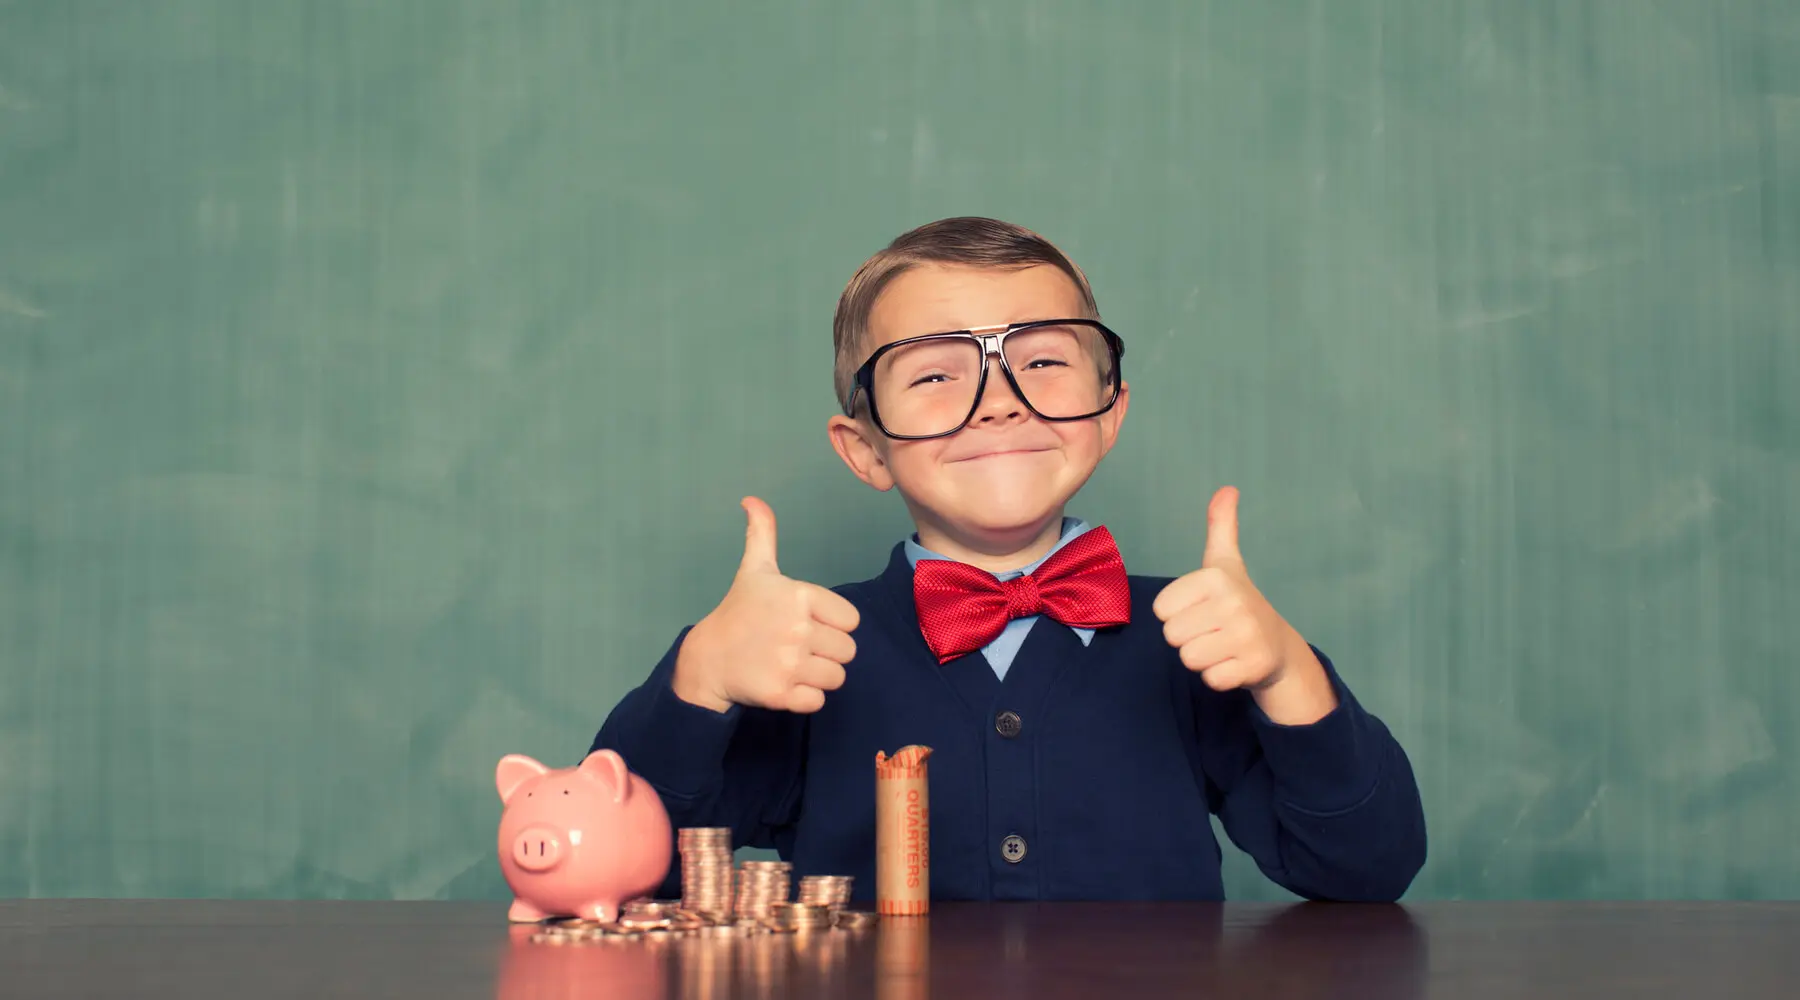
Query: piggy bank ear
(515,769)
(610,768)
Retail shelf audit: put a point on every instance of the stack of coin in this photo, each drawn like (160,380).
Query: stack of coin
(789,917)
(760,885)
(853,920)
(831,891)
(648,915)
(649,921)
(564,931)
(706,871)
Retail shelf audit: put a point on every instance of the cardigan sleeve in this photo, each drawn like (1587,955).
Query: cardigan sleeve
(1328,810)
(740,768)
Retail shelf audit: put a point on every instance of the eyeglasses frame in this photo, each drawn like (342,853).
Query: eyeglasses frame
(991,340)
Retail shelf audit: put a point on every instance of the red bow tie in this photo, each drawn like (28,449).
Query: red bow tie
(962,607)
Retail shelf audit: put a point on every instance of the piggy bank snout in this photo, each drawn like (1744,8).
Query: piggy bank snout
(538,848)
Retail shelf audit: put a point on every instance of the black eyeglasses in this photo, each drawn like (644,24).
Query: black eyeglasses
(930,386)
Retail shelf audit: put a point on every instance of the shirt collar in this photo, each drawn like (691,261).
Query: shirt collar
(1071,528)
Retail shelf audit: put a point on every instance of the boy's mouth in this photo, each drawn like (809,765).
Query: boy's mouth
(997,452)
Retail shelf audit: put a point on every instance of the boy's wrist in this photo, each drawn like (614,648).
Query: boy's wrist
(689,682)
(1301,693)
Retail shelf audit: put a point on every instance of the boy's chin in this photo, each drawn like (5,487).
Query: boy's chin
(1009,521)
(998,512)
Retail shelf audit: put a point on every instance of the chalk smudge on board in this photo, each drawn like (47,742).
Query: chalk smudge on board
(11,302)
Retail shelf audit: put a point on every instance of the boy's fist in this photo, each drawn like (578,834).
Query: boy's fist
(772,642)
(1230,634)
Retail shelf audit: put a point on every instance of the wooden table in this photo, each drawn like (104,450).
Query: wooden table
(1096,951)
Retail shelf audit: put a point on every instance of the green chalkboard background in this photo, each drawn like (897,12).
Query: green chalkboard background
(378,382)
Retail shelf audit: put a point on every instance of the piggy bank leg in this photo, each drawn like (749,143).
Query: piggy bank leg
(603,912)
(524,913)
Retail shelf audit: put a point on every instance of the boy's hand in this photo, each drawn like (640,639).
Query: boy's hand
(1228,632)
(772,642)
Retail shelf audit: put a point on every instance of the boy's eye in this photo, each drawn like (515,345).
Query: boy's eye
(926,364)
(1039,359)
(1045,347)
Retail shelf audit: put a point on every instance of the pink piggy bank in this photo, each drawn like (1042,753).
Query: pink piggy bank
(581,840)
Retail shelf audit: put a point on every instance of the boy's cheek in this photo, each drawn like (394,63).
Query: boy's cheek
(911,464)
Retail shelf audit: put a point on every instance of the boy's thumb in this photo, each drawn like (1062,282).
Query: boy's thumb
(759,537)
(1222,529)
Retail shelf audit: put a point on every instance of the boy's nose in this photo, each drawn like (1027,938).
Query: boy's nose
(998,401)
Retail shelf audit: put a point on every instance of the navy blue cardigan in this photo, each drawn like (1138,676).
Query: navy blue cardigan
(1106,782)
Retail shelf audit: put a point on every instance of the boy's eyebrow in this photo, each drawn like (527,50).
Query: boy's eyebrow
(988,328)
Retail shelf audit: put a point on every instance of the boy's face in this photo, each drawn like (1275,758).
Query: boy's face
(998,484)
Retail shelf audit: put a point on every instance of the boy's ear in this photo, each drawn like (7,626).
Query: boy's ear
(1113,418)
(855,443)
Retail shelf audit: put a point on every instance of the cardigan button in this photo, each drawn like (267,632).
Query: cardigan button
(1013,849)
(1008,724)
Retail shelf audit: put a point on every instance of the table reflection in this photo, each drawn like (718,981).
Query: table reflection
(996,952)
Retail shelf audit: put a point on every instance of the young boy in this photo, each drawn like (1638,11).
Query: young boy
(1083,723)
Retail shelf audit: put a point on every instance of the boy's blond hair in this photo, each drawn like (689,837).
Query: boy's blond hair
(969,240)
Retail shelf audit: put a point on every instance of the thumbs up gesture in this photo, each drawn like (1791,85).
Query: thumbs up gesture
(1230,634)
(773,642)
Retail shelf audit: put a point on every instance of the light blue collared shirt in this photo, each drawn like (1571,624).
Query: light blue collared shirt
(1006,645)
